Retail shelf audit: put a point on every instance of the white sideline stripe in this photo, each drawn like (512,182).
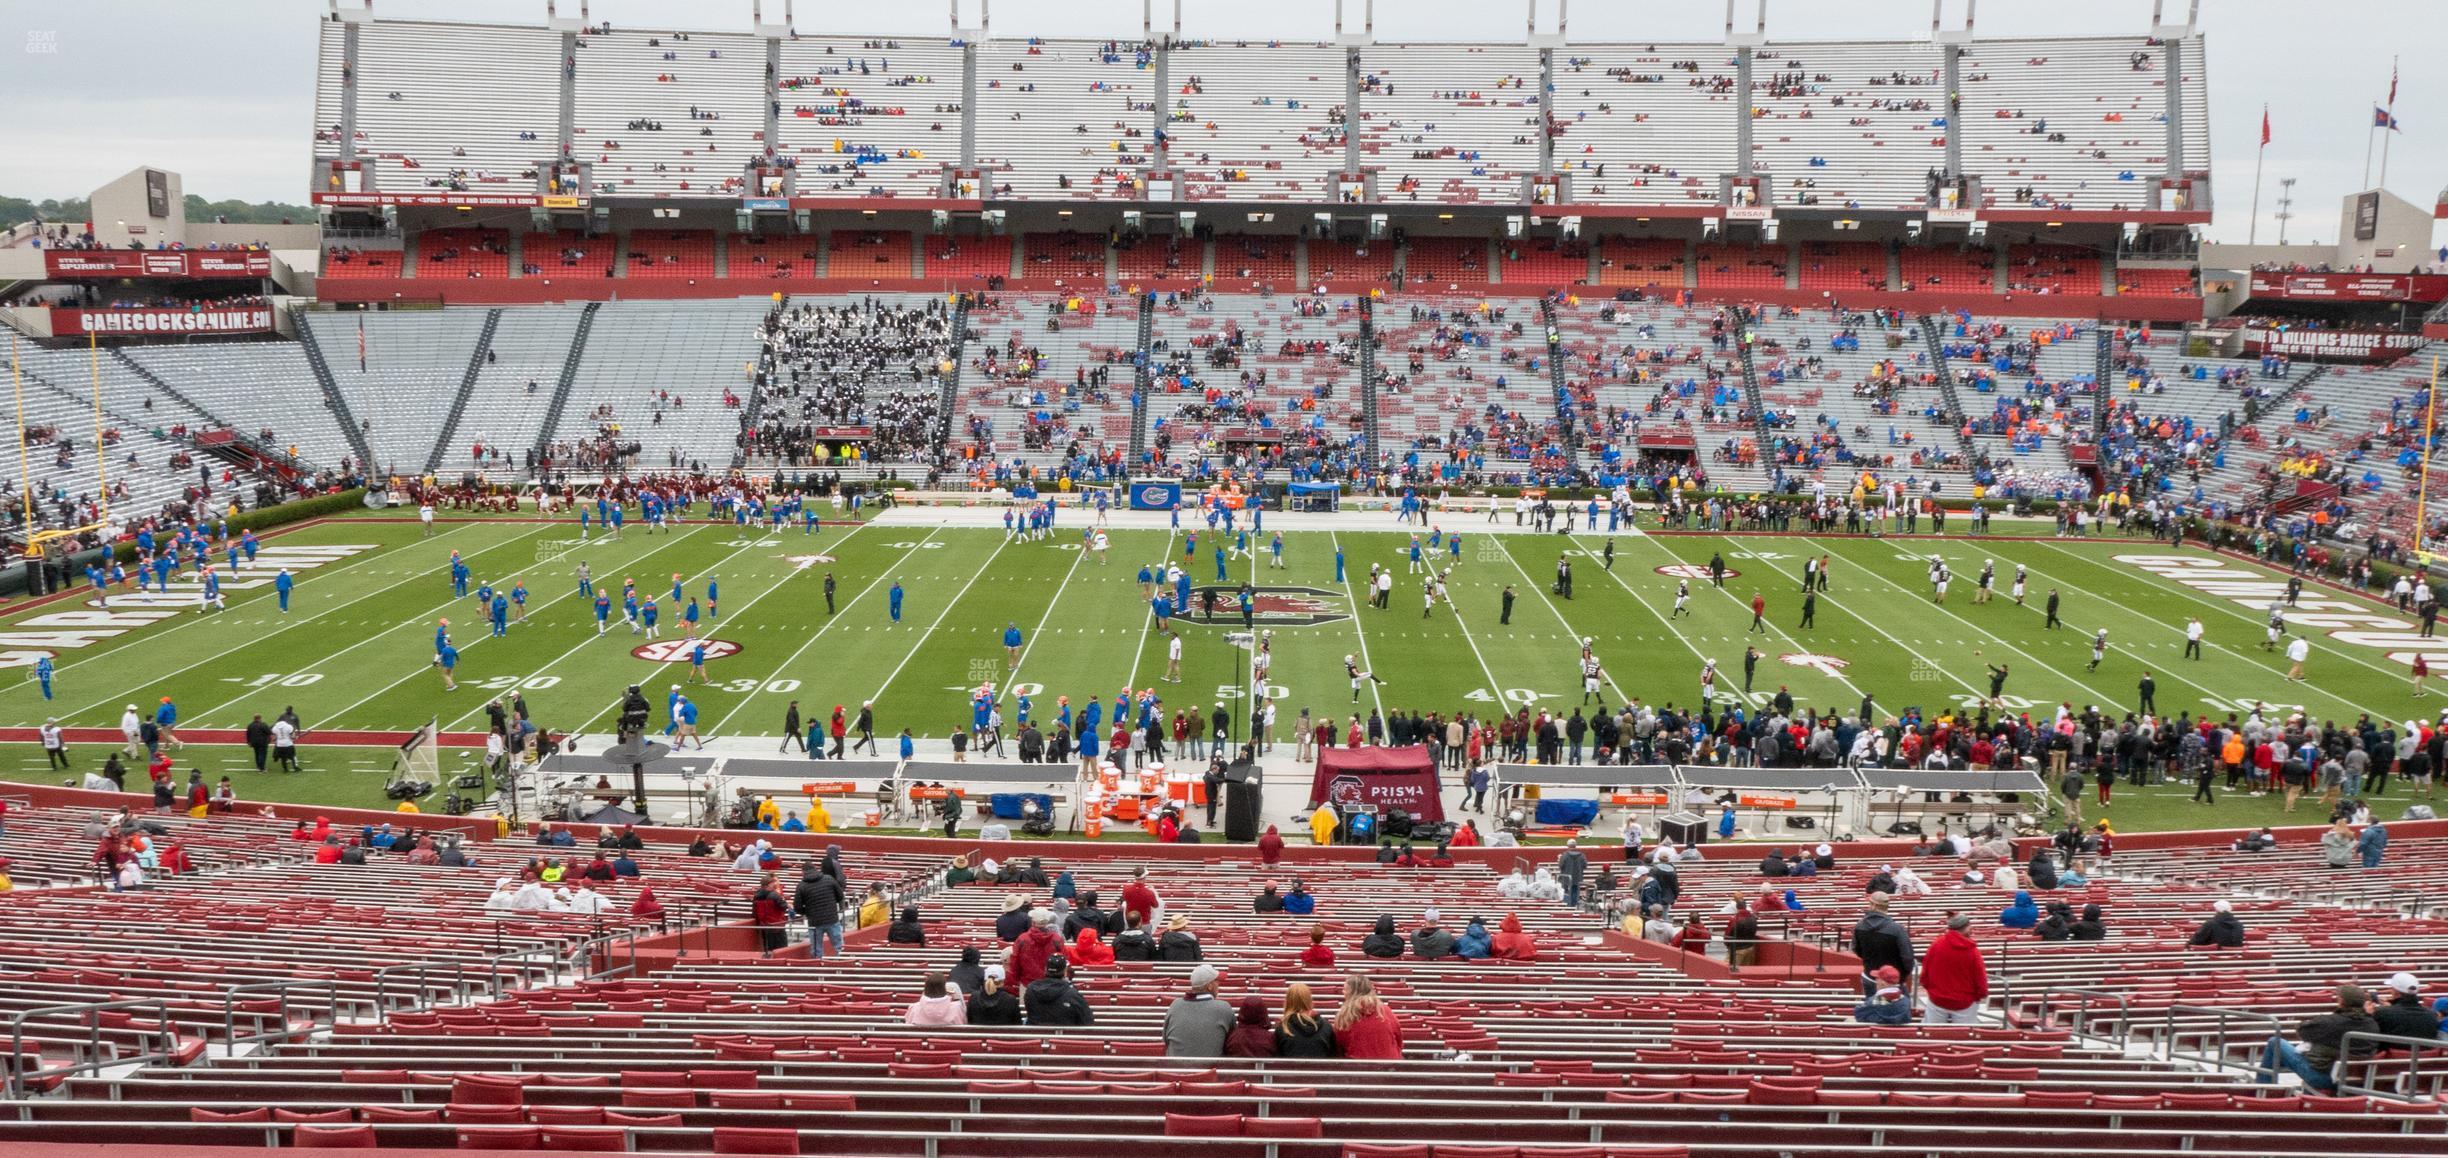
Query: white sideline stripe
(1370,666)
(1012,676)
(1147,622)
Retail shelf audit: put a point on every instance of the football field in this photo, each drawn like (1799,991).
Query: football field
(355,651)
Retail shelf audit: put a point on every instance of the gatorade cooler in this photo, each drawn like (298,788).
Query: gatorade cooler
(1095,826)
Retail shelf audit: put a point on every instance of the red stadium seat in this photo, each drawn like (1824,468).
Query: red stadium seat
(742,1140)
(1202,1125)
(501,1138)
(333,1138)
(401,1114)
(459,1115)
(257,1114)
(616,1118)
(566,1115)
(324,1117)
(1367,1150)
(1282,1128)
(583,1138)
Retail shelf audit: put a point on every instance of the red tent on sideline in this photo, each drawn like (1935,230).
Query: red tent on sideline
(1388,778)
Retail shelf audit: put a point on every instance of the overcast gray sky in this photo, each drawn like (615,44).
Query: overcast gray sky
(221,90)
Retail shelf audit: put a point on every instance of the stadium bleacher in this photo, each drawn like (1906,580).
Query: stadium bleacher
(867,118)
(488,1029)
(669,114)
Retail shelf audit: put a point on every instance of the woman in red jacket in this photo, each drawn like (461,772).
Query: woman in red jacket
(1954,979)
(772,914)
(1364,1027)
(1317,955)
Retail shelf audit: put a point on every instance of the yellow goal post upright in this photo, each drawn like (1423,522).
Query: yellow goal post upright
(25,470)
(2422,475)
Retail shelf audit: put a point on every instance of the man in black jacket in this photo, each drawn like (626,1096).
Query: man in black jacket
(1879,940)
(819,902)
(259,738)
(2406,1014)
(1088,916)
(1051,1000)
(2221,930)
(2323,1038)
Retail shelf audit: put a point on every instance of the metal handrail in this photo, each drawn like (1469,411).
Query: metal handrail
(2082,1013)
(2217,1057)
(280,990)
(523,964)
(2409,1082)
(425,985)
(89,1013)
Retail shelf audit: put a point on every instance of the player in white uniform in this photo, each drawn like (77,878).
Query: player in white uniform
(1098,545)
(1708,681)
(425,516)
(2099,648)
(2277,627)
(1591,673)
(1351,667)
(1682,605)
(2018,585)
(1988,576)
(1173,650)
(1262,661)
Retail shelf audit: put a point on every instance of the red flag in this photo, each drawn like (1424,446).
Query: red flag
(2392,101)
(2265,124)
(361,363)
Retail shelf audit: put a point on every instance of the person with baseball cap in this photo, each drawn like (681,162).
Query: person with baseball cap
(2323,1038)
(2404,1013)
(1197,1023)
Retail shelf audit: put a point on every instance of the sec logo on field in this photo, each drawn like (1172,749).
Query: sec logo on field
(1689,571)
(679,650)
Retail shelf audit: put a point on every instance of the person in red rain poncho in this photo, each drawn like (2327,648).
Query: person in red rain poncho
(1512,944)
(1270,846)
(1089,949)
(646,907)
(1026,962)
(174,860)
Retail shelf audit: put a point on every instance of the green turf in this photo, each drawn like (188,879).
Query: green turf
(355,650)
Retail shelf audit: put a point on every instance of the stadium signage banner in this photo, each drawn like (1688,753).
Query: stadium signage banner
(2332,345)
(369,200)
(162,263)
(247,320)
(2355,623)
(2351,287)
(102,618)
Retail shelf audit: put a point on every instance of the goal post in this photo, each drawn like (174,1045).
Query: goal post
(420,755)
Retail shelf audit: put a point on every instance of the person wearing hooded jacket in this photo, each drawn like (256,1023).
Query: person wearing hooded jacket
(818,900)
(2058,925)
(1134,944)
(2221,931)
(1511,944)
(1954,978)
(905,929)
(1089,949)
(1382,941)
(2022,914)
(1027,960)
(2088,927)
(1473,944)
(969,976)
(991,1004)
(1430,941)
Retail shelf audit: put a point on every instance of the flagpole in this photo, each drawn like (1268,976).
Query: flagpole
(2422,486)
(2252,233)
(2392,126)
(2367,152)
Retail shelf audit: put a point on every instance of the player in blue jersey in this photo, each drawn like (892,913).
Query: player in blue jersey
(518,598)
(447,658)
(711,595)
(501,614)
(647,615)
(603,613)
(282,584)
(42,673)
(892,599)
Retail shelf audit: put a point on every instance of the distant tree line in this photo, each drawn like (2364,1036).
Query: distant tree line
(73,210)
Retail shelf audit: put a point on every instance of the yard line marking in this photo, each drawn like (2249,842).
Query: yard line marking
(1366,664)
(1147,622)
(1011,676)
(1524,572)
(266,593)
(1789,637)
(939,618)
(2231,609)
(1994,637)
(881,575)
(1832,601)
(300,622)
(669,541)
(590,637)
